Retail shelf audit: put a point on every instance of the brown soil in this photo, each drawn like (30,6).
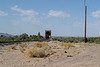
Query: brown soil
(82,55)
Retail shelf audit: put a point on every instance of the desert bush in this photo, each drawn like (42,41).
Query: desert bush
(44,46)
(62,44)
(47,50)
(39,49)
(28,52)
(12,47)
(67,45)
(40,44)
(39,52)
(54,47)
(23,45)
(34,52)
(22,50)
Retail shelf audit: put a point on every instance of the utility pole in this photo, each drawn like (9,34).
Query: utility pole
(85,39)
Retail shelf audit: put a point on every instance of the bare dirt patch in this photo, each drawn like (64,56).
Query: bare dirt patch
(81,55)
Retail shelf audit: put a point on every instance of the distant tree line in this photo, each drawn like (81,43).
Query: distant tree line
(78,39)
(22,37)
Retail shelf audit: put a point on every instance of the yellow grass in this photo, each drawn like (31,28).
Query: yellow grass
(22,50)
(23,45)
(67,45)
(28,52)
(47,50)
(39,49)
(34,52)
(12,47)
(40,44)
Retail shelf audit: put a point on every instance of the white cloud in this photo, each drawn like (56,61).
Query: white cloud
(27,15)
(58,14)
(96,14)
(48,25)
(3,13)
(24,12)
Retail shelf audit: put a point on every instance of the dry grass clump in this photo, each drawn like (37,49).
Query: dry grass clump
(39,52)
(29,52)
(22,50)
(34,52)
(67,45)
(23,45)
(47,50)
(39,49)
(40,44)
(12,47)
(55,47)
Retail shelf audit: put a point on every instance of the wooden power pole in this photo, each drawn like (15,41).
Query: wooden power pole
(85,23)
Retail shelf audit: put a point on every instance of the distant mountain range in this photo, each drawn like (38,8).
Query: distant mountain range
(5,34)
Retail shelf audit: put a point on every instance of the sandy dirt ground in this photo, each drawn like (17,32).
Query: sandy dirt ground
(82,55)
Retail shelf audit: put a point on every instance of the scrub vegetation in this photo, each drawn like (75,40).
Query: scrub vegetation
(22,37)
(78,39)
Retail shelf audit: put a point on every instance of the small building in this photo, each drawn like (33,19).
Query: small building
(47,34)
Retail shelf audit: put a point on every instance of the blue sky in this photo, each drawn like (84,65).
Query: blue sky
(62,17)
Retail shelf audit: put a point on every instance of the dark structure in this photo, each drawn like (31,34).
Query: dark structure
(85,23)
(47,34)
(85,39)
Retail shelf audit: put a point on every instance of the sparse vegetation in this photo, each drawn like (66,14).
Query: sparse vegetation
(78,39)
(23,45)
(34,52)
(67,45)
(12,47)
(22,50)
(40,44)
(39,49)
(22,37)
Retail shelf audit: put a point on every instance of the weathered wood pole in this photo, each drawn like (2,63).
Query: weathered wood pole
(85,23)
